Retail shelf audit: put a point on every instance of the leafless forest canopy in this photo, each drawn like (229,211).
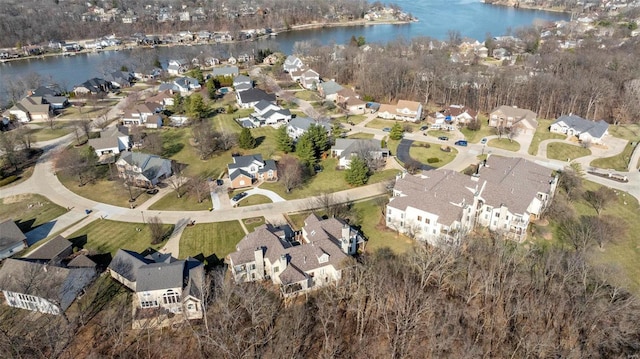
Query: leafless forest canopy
(36,21)
(488,298)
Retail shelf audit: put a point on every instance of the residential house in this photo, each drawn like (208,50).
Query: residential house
(507,116)
(296,75)
(112,140)
(211,61)
(439,207)
(92,86)
(245,169)
(460,115)
(186,85)
(164,98)
(404,111)
(12,240)
(56,102)
(161,282)
(242,83)
(232,60)
(178,67)
(313,259)
(345,149)
(141,169)
(586,130)
(299,125)
(249,98)
(150,74)
(267,113)
(30,109)
(120,79)
(43,91)
(42,282)
(292,63)
(310,79)
(329,90)
(147,114)
(225,71)
(350,101)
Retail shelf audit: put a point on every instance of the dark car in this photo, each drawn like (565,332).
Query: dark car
(423,128)
(219,182)
(152,191)
(461,143)
(239,196)
(387,129)
(443,138)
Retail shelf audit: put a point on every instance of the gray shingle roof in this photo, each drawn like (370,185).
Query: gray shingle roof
(349,145)
(304,123)
(157,276)
(10,234)
(255,95)
(579,124)
(81,261)
(330,87)
(150,165)
(51,249)
(126,263)
(245,161)
(225,71)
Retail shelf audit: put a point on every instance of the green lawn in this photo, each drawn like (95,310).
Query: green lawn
(105,191)
(254,200)
(542,133)
(211,238)
(476,136)
(307,95)
(380,123)
(252,223)
(362,135)
(104,236)
(422,154)
(504,143)
(176,143)
(351,118)
(266,139)
(227,122)
(618,162)
(439,133)
(29,210)
(564,151)
(46,133)
(630,132)
(171,202)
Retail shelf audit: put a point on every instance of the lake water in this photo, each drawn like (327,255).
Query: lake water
(471,18)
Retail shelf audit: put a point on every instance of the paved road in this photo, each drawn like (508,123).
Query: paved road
(403,154)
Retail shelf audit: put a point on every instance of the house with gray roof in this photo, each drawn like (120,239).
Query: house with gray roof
(112,140)
(268,113)
(30,109)
(178,66)
(120,79)
(225,71)
(329,90)
(246,169)
(12,240)
(42,287)
(585,130)
(251,97)
(292,63)
(299,125)
(161,282)
(52,251)
(92,86)
(439,207)
(187,84)
(310,260)
(142,169)
(346,148)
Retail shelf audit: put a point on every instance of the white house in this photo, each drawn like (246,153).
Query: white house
(299,125)
(323,252)
(146,114)
(161,282)
(404,111)
(112,140)
(459,114)
(245,169)
(267,113)
(178,67)
(329,90)
(292,63)
(30,109)
(141,169)
(507,116)
(345,149)
(585,130)
(12,240)
(440,206)
(242,83)
(310,79)
(249,98)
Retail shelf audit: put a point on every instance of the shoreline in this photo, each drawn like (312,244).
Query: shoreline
(132,46)
(526,7)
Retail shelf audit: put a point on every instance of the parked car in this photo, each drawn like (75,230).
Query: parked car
(443,138)
(219,181)
(239,196)
(387,129)
(423,128)
(152,191)
(483,141)
(461,143)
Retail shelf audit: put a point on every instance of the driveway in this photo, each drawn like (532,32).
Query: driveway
(403,155)
(274,197)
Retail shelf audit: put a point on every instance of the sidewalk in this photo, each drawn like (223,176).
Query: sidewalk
(54,226)
(173,243)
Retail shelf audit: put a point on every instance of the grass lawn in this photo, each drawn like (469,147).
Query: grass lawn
(104,236)
(542,133)
(629,132)
(422,154)
(46,133)
(564,151)
(622,253)
(253,200)
(504,143)
(476,136)
(351,118)
(252,223)
(105,191)
(171,202)
(618,162)
(380,123)
(177,147)
(307,95)
(209,239)
(362,135)
(266,139)
(27,212)
(439,133)
(227,123)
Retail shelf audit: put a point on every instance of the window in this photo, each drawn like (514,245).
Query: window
(149,303)
(419,218)
(191,307)
(252,266)
(389,211)
(276,269)
(507,217)
(171,297)
(427,221)
(497,214)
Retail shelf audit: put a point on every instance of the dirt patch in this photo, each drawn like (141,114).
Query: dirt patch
(16,199)
(253,220)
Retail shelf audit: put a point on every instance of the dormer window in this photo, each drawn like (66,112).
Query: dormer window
(324,258)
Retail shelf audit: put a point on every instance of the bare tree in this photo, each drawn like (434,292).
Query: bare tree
(157,229)
(199,187)
(512,132)
(153,143)
(227,140)
(290,172)
(177,180)
(205,138)
(599,198)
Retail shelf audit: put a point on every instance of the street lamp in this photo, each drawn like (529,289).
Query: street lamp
(142,212)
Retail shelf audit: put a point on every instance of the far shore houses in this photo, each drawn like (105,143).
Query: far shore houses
(440,207)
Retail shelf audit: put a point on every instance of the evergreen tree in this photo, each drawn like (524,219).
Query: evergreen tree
(283,141)
(246,140)
(178,103)
(305,151)
(319,139)
(396,132)
(358,172)
(211,88)
(196,107)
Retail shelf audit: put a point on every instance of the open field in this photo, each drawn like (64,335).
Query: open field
(618,162)
(542,133)
(422,154)
(504,143)
(104,236)
(210,239)
(307,95)
(29,210)
(564,151)
(630,132)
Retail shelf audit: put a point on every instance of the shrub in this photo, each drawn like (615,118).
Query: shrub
(6,181)
(433,160)
(426,145)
